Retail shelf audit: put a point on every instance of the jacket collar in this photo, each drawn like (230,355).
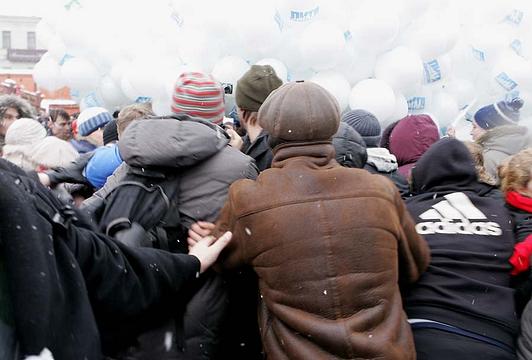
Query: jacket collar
(258,146)
(315,154)
(501,131)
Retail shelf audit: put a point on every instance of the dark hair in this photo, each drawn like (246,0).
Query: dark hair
(56,113)
(249,116)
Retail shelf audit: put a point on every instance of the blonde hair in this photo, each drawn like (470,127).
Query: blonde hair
(478,157)
(131,113)
(515,171)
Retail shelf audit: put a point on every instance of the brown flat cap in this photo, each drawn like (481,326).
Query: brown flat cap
(300,111)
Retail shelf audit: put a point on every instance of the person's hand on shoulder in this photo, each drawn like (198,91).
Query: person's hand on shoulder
(208,249)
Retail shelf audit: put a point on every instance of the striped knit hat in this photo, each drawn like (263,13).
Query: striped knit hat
(199,95)
(92,119)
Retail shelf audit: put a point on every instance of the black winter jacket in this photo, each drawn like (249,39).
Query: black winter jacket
(259,150)
(470,233)
(72,287)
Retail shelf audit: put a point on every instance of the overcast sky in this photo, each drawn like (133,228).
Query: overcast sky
(29,7)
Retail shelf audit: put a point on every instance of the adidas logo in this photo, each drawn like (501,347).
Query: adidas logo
(456,215)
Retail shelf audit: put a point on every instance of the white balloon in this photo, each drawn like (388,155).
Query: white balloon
(92,99)
(401,109)
(162,106)
(437,70)
(57,48)
(47,74)
(280,69)
(141,75)
(487,42)
(444,109)
(336,84)
(131,93)
(296,13)
(462,90)
(420,100)
(196,47)
(229,69)
(432,36)
(360,68)
(526,111)
(402,68)
(511,72)
(374,27)
(75,30)
(289,51)
(111,93)
(257,35)
(81,75)
(375,96)
(321,45)
(45,34)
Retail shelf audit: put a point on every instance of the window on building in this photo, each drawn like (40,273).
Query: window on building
(32,41)
(6,39)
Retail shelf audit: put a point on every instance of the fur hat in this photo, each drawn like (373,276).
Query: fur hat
(25,110)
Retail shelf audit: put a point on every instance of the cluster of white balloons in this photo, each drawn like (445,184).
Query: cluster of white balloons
(390,57)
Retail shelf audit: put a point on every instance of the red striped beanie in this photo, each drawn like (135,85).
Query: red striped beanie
(199,95)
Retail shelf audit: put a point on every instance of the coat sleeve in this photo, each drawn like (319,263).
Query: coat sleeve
(123,281)
(233,255)
(414,253)
(252,170)
(72,173)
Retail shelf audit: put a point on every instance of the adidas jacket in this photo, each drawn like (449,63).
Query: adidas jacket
(470,234)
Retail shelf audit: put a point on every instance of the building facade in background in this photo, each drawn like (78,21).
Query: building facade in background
(19,42)
(19,52)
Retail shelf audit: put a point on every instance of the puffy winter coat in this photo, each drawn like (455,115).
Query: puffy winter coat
(206,166)
(502,142)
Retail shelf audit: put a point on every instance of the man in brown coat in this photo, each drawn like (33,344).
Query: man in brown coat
(330,245)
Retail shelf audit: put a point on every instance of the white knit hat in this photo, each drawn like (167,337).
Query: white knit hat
(52,152)
(92,119)
(21,137)
(25,132)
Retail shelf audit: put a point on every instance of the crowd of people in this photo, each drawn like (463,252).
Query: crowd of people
(295,231)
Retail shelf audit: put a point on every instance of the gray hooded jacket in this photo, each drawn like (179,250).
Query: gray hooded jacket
(198,148)
(502,142)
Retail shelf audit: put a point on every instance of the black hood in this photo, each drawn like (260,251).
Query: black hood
(446,166)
